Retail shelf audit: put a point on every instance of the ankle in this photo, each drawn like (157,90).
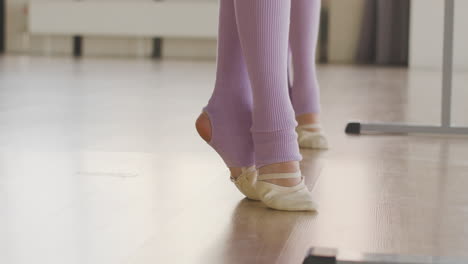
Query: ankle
(235,172)
(285,182)
(308,119)
(284,167)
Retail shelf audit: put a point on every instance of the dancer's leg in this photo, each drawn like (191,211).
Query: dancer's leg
(227,118)
(264,32)
(305,96)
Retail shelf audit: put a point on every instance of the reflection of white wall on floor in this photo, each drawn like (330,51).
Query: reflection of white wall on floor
(426,34)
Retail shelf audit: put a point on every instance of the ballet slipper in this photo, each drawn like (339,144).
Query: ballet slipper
(246,182)
(311,139)
(295,198)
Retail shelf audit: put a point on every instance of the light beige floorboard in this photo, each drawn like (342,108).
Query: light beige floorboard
(100,163)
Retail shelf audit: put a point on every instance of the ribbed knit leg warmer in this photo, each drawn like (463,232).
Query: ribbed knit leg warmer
(230,106)
(263,27)
(305,20)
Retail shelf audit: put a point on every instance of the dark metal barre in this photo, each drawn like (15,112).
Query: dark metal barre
(334,256)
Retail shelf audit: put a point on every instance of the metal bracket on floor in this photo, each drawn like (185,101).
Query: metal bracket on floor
(447,76)
(333,256)
(358,128)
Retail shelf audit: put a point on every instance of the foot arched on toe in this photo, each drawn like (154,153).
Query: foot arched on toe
(204,129)
(295,198)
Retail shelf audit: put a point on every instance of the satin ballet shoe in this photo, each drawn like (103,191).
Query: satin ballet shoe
(246,182)
(311,139)
(295,198)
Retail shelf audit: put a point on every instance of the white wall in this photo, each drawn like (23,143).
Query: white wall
(345,23)
(116,46)
(18,41)
(202,48)
(426,34)
(172,47)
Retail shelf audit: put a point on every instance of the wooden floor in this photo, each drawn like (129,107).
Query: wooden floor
(100,163)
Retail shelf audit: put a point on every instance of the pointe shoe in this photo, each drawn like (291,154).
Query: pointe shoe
(246,183)
(311,139)
(296,198)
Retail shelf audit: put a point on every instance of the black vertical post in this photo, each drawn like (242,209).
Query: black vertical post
(157,45)
(2,26)
(157,48)
(77,46)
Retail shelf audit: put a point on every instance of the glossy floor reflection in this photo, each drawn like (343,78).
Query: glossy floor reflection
(100,163)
